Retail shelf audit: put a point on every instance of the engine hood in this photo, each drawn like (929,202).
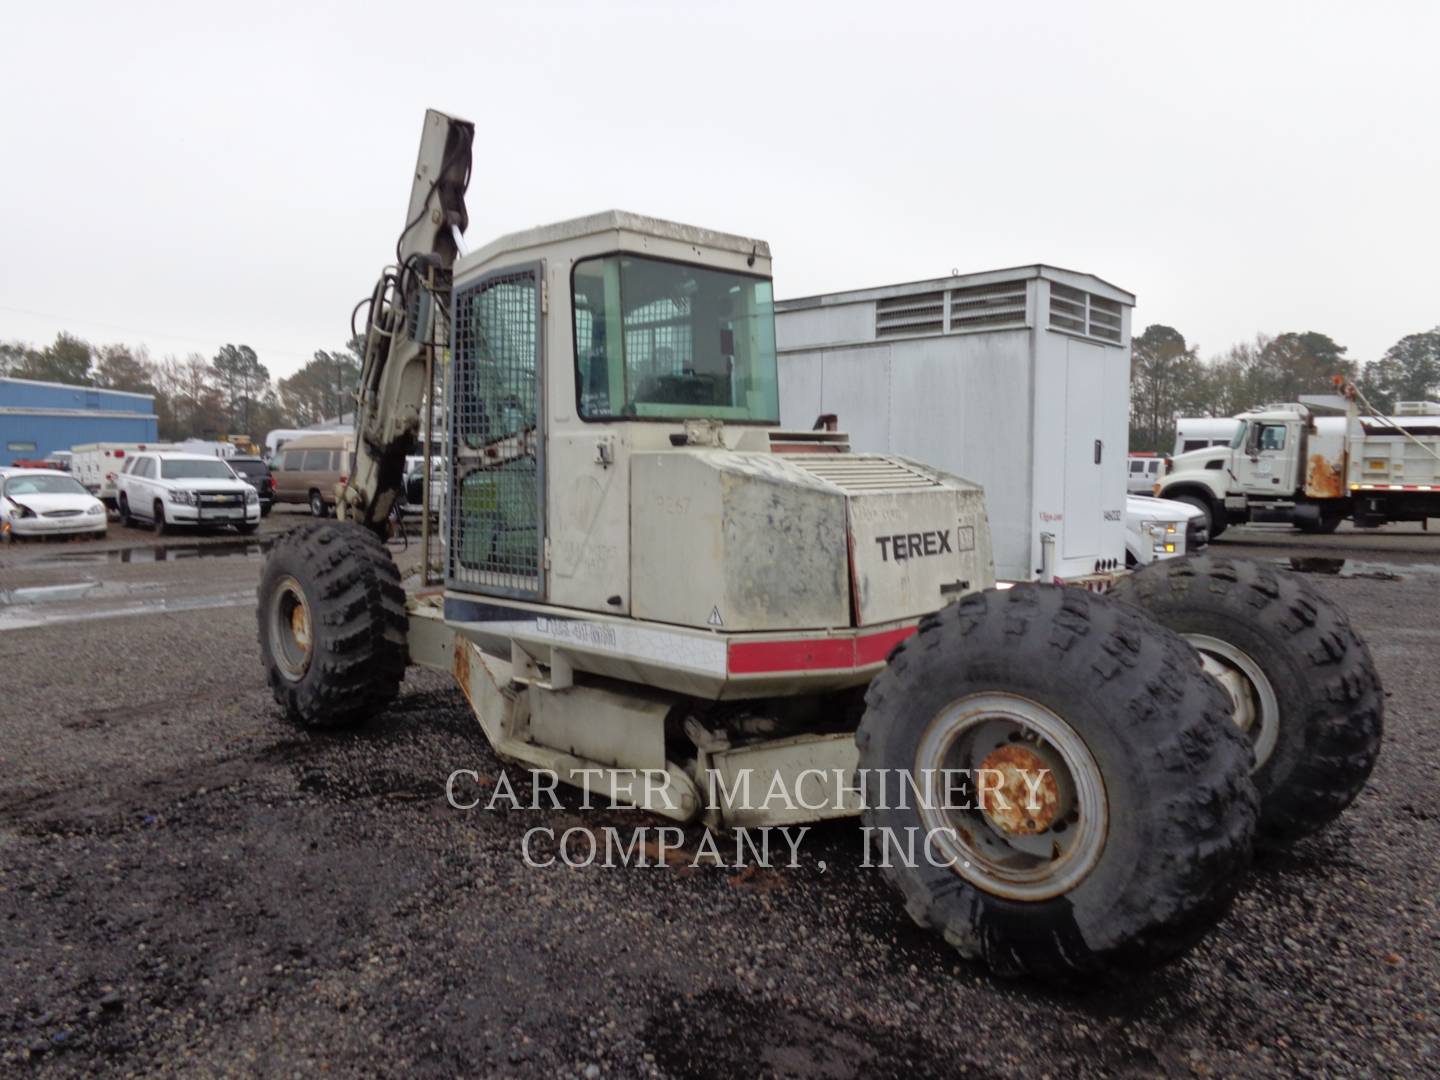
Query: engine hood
(760,541)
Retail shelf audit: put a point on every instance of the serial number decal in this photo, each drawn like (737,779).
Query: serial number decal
(584,633)
(904,546)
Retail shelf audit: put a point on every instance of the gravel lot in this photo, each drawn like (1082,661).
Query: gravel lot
(189,884)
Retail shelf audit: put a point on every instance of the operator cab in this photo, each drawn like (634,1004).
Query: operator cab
(575,345)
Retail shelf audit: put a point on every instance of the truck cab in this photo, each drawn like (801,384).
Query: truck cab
(1266,452)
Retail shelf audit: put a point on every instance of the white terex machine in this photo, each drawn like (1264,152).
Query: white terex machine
(658,594)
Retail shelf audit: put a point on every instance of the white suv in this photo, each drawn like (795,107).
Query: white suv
(168,489)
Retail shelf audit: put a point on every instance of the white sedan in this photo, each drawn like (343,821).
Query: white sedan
(45,502)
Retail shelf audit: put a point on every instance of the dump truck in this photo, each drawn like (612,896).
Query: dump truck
(1286,463)
(644,574)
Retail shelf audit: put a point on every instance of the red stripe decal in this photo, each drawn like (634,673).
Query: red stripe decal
(875,648)
(813,654)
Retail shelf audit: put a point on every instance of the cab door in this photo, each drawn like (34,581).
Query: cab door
(1268,464)
(497,422)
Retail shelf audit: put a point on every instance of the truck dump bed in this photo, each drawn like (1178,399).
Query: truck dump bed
(1381,457)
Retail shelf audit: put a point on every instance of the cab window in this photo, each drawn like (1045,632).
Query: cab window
(658,340)
(1272,437)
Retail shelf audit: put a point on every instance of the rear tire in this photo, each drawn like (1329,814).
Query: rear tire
(332,624)
(317,504)
(1324,526)
(1120,709)
(1293,666)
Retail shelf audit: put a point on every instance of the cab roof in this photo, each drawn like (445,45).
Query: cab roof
(616,221)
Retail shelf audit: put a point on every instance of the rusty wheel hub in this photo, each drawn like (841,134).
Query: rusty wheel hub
(1026,800)
(1023,812)
(291,637)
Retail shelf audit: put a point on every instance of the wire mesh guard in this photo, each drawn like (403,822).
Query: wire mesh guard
(495,512)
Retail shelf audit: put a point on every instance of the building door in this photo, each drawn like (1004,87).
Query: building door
(1086,455)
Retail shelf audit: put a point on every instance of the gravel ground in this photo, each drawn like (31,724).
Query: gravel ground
(189,884)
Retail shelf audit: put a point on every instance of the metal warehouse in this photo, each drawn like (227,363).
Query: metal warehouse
(39,417)
(1015,379)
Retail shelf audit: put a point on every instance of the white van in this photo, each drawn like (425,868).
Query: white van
(97,464)
(1144,471)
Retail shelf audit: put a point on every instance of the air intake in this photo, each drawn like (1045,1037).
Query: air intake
(987,306)
(1085,313)
(903,316)
(857,473)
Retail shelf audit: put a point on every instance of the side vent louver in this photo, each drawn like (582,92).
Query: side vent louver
(1084,313)
(923,313)
(987,306)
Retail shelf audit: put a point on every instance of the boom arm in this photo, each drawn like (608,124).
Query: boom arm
(407,322)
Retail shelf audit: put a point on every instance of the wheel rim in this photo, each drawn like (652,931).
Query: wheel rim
(1032,827)
(316,506)
(291,629)
(1256,707)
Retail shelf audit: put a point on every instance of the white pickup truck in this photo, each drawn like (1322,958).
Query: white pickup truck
(169,489)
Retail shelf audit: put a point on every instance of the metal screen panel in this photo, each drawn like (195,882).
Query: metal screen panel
(496,443)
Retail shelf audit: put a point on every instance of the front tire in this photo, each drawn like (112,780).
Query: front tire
(332,624)
(317,504)
(1142,839)
(158,523)
(125,517)
(1215,522)
(1302,683)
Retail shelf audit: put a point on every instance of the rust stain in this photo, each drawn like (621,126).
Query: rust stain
(1322,479)
(1021,803)
(460,666)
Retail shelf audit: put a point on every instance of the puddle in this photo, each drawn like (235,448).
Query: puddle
(40,594)
(1356,568)
(157,553)
(25,615)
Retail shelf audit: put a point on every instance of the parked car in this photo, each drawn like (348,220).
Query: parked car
(412,495)
(47,502)
(309,468)
(168,489)
(257,474)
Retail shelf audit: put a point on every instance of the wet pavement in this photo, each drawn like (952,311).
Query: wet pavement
(191,885)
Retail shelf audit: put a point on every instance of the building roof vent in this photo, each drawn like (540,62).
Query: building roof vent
(987,306)
(1085,313)
(905,316)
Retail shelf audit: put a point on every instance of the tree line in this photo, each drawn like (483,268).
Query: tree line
(1168,379)
(230,393)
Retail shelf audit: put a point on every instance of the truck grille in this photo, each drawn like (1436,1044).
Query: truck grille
(855,473)
(221,500)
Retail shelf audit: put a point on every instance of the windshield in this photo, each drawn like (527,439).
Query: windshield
(659,340)
(44,485)
(249,468)
(195,470)
(1238,439)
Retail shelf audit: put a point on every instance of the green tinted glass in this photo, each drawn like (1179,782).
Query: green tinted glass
(657,340)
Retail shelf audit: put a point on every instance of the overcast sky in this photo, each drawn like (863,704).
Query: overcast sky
(182,179)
